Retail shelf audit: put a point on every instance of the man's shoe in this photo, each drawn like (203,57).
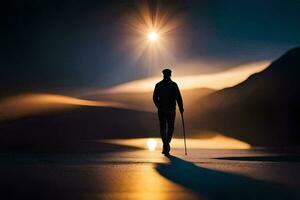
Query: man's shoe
(166,150)
(167,154)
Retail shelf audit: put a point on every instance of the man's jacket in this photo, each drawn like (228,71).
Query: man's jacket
(165,95)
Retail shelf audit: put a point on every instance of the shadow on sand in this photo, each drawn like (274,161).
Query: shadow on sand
(214,184)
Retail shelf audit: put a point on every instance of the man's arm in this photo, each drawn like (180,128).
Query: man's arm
(156,97)
(179,99)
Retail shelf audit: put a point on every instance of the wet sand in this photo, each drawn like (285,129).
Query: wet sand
(142,174)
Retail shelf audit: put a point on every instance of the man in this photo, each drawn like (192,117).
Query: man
(165,95)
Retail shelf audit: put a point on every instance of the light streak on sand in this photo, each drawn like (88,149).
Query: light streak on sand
(215,81)
(215,142)
(22,105)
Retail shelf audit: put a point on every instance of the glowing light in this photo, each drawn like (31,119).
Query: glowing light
(151,143)
(152,36)
(216,141)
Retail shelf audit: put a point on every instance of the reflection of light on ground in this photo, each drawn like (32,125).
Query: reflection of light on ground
(216,142)
(130,181)
(151,144)
(150,184)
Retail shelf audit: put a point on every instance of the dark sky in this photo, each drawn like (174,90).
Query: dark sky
(79,43)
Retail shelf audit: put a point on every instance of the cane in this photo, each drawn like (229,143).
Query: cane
(183,134)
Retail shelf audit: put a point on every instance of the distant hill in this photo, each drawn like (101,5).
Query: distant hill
(46,122)
(262,110)
(63,128)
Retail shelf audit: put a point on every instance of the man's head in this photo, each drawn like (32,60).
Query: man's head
(167,73)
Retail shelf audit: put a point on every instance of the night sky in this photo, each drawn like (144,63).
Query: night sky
(82,44)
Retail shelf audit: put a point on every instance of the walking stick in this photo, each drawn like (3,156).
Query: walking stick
(183,134)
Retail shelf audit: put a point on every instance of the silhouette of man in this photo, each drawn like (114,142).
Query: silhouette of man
(165,95)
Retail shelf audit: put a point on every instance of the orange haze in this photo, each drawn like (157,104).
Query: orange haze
(215,81)
(22,105)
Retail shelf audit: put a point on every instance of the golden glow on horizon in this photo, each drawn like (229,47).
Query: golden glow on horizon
(217,141)
(215,81)
(151,144)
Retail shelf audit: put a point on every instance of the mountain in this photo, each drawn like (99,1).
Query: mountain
(262,110)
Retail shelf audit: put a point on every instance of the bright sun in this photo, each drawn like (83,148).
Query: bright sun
(152,36)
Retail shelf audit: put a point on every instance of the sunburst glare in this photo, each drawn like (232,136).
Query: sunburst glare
(152,36)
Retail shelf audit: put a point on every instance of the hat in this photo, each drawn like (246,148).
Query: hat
(166,72)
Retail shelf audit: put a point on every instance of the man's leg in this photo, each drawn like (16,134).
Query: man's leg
(163,129)
(170,122)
